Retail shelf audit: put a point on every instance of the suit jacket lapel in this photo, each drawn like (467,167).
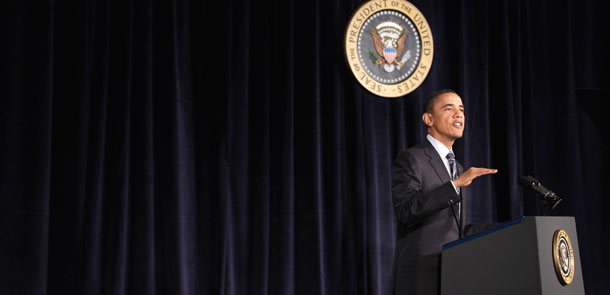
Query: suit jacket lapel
(440,169)
(436,162)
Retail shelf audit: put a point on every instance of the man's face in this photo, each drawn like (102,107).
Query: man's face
(447,120)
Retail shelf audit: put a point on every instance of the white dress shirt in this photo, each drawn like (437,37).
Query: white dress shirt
(442,151)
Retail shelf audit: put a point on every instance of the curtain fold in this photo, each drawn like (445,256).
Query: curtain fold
(223,147)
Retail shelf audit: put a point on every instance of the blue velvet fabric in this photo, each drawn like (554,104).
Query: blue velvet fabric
(223,147)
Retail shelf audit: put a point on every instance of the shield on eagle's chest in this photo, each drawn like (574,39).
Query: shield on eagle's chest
(389,54)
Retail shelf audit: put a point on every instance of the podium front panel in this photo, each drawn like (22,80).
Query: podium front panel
(514,258)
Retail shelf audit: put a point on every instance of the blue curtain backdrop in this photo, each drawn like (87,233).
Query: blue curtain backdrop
(223,147)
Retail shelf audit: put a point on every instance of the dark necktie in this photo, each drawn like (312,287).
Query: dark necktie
(454,174)
(452,165)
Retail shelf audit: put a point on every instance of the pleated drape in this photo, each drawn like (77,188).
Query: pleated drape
(223,147)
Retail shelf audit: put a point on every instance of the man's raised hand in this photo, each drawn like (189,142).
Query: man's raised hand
(467,177)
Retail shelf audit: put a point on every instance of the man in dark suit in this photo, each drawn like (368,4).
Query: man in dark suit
(429,196)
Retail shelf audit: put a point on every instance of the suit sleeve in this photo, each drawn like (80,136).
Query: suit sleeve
(411,202)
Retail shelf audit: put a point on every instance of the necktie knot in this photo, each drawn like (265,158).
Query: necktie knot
(450,156)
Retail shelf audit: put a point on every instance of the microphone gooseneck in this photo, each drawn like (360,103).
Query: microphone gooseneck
(549,198)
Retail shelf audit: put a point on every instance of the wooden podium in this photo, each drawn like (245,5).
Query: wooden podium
(528,255)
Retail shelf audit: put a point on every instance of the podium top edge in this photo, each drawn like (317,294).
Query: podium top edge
(484,233)
(499,227)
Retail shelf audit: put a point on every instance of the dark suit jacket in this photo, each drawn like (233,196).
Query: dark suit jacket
(425,206)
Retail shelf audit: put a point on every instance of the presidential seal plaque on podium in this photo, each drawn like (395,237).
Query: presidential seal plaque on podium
(563,257)
(389,47)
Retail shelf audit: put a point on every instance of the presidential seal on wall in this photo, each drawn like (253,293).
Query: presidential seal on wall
(563,257)
(389,47)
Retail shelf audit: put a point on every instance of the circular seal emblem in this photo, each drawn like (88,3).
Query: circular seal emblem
(389,47)
(563,257)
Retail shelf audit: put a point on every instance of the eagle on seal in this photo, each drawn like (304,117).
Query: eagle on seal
(389,48)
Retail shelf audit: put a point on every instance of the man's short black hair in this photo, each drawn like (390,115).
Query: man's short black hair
(431,100)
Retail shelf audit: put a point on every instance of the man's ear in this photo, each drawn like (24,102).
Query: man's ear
(427,118)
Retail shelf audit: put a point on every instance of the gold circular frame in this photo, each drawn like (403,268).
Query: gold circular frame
(562,235)
(352,33)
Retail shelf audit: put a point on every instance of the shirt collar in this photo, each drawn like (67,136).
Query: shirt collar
(440,148)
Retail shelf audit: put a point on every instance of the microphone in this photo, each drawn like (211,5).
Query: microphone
(549,198)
